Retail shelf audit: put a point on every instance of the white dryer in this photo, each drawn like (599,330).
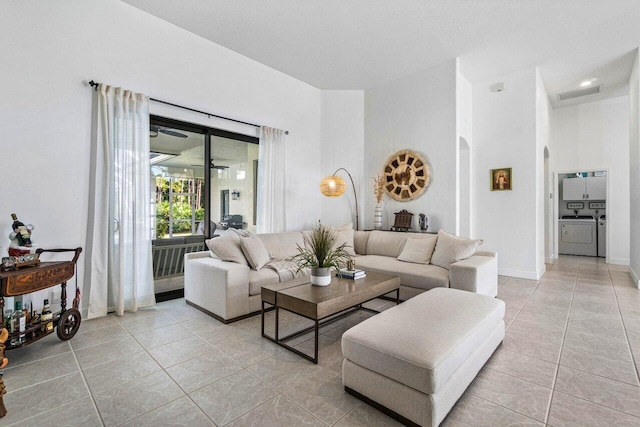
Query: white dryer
(578,235)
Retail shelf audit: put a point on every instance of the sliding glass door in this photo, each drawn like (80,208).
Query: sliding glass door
(204,182)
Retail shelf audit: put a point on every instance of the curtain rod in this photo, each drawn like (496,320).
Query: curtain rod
(95,87)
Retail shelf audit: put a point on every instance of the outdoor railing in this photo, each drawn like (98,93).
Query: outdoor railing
(168,255)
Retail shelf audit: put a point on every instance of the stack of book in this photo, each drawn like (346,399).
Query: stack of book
(351,274)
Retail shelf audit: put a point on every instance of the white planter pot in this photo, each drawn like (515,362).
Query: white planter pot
(320,276)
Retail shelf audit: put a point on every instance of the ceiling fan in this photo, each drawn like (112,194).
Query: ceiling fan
(219,167)
(154,130)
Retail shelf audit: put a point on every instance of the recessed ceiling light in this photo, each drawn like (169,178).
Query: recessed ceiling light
(588,82)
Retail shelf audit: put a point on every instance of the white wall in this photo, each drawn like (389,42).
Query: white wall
(543,138)
(464,129)
(50,49)
(634,166)
(342,147)
(504,135)
(595,136)
(416,113)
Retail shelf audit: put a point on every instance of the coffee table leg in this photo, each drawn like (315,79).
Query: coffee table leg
(397,296)
(262,319)
(315,350)
(277,312)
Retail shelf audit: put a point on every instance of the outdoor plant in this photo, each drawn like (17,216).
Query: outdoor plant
(320,251)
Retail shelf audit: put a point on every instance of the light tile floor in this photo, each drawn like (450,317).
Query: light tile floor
(570,357)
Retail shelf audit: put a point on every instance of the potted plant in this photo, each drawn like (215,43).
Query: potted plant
(320,255)
(378,192)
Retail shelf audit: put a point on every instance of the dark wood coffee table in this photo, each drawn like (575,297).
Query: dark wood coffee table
(324,304)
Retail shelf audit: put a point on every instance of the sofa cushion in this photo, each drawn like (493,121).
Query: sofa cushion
(419,276)
(227,248)
(418,251)
(450,249)
(260,278)
(282,245)
(241,232)
(421,342)
(345,237)
(360,239)
(390,243)
(254,251)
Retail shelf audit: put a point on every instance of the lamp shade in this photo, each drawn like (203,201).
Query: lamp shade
(333,186)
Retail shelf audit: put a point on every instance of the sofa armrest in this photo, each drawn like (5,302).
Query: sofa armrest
(360,239)
(477,274)
(220,287)
(194,255)
(486,253)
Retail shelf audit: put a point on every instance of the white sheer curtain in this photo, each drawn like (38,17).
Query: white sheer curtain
(271,175)
(119,267)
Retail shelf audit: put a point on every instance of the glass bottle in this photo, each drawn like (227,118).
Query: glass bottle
(46,318)
(8,320)
(22,234)
(21,322)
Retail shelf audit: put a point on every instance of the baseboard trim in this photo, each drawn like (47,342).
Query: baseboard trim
(531,275)
(169,295)
(619,261)
(634,276)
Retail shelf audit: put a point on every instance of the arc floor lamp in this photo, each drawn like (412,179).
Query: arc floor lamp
(334,186)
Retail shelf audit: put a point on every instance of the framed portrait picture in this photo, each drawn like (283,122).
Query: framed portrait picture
(501,179)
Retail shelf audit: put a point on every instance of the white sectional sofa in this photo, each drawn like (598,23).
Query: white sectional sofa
(230,290)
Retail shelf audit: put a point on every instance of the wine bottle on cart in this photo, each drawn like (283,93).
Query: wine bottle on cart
(24,239)
(45,317)
(21,322)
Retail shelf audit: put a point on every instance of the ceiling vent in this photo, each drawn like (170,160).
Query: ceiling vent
(578,93)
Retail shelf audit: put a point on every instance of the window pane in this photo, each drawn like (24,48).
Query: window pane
(177,172)
(233,183)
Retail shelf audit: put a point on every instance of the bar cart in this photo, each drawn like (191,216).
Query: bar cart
(31,279)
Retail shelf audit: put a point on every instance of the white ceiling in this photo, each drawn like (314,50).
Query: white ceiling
(359,44)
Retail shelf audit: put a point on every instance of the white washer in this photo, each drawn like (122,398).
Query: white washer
(578,235)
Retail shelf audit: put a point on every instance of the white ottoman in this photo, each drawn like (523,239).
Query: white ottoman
(415,360)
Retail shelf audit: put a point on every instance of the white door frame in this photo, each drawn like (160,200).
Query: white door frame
(556,209)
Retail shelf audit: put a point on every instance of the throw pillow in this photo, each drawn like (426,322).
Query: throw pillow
(418,251)
(344,235)
(450,249)
(227,248)
(241,232)
(255,252)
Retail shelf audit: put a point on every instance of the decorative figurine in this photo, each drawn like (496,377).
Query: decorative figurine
(402,221)
(20,237)
(423,222)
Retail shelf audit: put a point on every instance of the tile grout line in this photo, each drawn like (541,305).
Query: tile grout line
(163,369)
(624,327)
(566,325)
(586,400)
(497,404)
(86,384)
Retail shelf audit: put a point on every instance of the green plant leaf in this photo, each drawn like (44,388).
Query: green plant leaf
(319,250)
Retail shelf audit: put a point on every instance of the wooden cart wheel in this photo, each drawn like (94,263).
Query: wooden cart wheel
(69,324)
